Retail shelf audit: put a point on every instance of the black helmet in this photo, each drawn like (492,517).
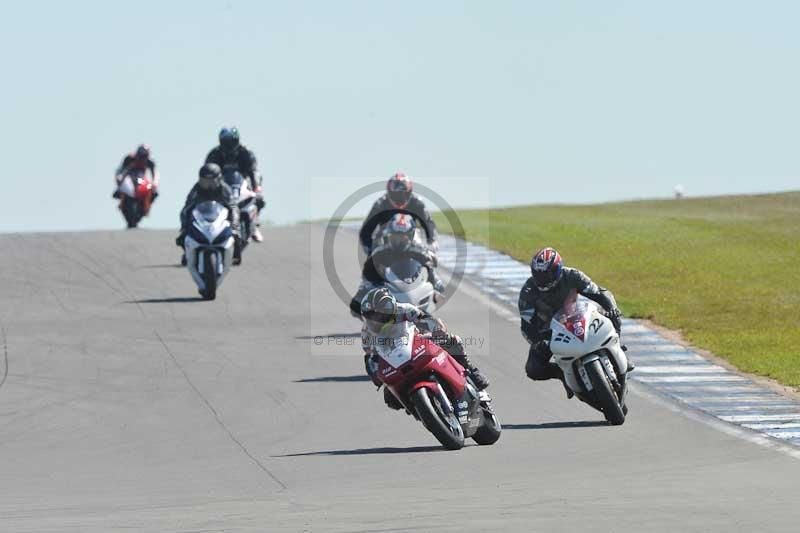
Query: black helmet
(209,177)
(379,308)
(143,152)
(229,139)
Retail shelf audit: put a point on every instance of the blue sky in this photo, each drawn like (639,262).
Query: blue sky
(536,101)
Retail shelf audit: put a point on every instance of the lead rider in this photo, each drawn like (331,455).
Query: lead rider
(542,296)
(210,187)
(384,320)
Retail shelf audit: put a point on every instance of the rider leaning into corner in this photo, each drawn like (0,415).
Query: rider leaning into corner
(542,296)
(210,187)
(140,159)
(384,319)
(399,199)
(231,152)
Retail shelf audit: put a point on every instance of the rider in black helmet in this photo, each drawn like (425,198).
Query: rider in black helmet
(231,152)
(210,187)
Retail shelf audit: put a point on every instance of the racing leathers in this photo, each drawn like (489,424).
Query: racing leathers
(242,158)
(425,323)
(383,210)
(221,194)
(537,307)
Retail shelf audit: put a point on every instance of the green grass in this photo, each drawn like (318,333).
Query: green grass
(724,271)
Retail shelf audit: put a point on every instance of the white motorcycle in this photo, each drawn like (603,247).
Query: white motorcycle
(244,196)
(209,247)
(587,348)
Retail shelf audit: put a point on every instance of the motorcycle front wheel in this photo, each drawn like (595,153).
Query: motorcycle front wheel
(131,211)
(445,427)
(210,275)
(606,397)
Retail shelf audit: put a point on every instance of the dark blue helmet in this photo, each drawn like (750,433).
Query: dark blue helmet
(229,139)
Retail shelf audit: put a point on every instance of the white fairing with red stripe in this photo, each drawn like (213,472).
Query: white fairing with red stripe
(580,329)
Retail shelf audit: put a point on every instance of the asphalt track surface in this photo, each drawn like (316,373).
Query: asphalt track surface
(130,405)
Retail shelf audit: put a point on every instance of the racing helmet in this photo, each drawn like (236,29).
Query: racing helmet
(400,232)
(229,140)
(142,152)
(379,309)
(399,189)
(210,177)
(546,268)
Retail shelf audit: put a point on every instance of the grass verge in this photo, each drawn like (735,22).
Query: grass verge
(724,271)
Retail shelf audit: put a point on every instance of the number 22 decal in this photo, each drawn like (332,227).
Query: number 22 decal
(595,326)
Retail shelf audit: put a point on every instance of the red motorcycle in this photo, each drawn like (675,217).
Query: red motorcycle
(435,389)
(136,196)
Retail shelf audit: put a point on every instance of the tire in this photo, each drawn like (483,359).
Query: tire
(210,275)
(604,393)
(130,210)
(433,418)
(490,430)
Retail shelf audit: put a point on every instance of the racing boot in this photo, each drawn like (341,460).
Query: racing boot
(453,345)
(478,378)
(257,236)
(438,284)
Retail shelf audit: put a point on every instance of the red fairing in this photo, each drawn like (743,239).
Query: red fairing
(426,358)
(144,193)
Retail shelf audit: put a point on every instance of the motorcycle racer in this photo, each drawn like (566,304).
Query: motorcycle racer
(399,198)
(210,187)
(542,296)
(384,317)
(140,159)
(398,243)
(231,152)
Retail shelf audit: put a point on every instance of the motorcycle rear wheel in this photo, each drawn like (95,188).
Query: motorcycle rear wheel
(605,394)
(490,430)
(444,427)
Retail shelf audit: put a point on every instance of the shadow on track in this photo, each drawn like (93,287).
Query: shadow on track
(173,300)
(368,451)
(558,425)
(334,379)
(168,265)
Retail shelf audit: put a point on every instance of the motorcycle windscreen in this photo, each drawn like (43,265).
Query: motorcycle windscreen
(573,313)
(208,211)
